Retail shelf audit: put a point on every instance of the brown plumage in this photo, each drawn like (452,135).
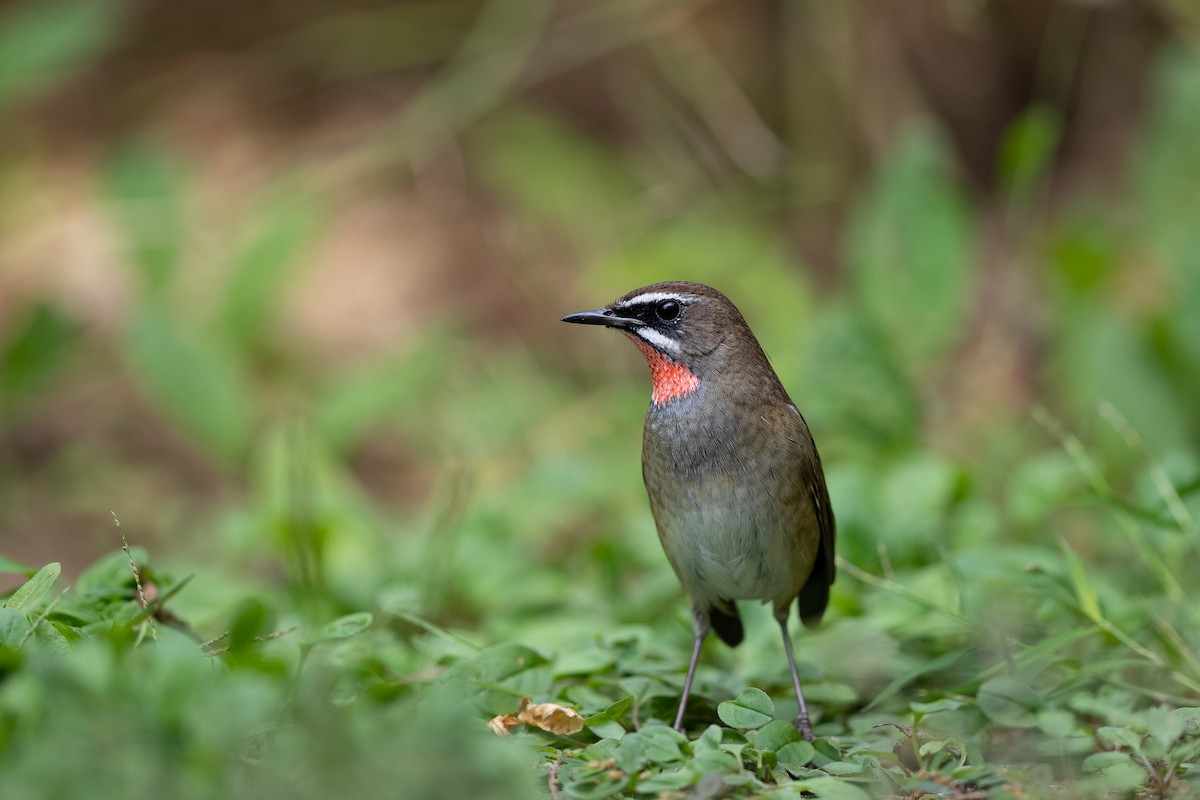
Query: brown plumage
(734,479)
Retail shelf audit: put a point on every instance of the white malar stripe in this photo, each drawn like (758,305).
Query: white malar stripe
(658,340)
(655,297)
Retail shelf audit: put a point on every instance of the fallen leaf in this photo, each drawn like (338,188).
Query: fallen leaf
(547,716)
(501,723)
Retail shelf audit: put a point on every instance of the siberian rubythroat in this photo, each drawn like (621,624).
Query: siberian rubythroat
(735,483)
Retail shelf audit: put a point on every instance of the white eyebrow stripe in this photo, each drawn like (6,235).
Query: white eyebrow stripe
(658,340)
(654,297)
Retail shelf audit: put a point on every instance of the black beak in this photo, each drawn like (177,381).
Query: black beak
(603,316)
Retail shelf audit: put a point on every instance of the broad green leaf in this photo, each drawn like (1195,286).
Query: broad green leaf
(145,192)
(943,704)
(915,497)
(911,250)
(340,628)
(751,709)
(13,626)
(272,255)
(1122,737)
(710,756)
(1164,724)
(1189,719)
(109,574)
(775,734)
(30,594)
(42,43)
(1056,723)
(842,768)
(869,393)
(502,661)
(37,347)
(251,621)
(830,788)
(556,176)
(1118,777)
(667,784)
(663,743)
(1100,761)
(1027,149)
(611,714)
(1101,355)
(1166,158)
(194,382)
(389,389)
(654,744)
(51,639)
(1041,484)
(8,565)
(795,755)
(1009,701)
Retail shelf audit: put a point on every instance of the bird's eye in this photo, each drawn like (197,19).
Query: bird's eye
(667,310)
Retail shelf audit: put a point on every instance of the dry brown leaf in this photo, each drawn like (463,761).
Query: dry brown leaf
(500,724)
(547,716)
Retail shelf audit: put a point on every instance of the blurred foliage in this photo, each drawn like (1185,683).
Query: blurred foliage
(1013,614)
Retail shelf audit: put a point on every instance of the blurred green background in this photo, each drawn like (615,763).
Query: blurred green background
(280,286)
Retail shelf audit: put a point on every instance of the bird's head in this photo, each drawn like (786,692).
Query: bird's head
(688,333)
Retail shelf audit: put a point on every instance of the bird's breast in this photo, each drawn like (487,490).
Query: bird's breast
(726,496)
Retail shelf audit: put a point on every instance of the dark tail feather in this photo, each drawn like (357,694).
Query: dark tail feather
(814,595)
(727,624)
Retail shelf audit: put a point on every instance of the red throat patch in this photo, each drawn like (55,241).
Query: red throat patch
(671,379)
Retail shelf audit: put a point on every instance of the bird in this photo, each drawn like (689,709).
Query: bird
(735,483)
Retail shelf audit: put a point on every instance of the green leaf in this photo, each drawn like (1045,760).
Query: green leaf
(1028,148)
(752,709)
(42,43)
(795,755)
(268,260)
(775,734)
(1084,592)
(145,191)
(357,401)
(26,597)
(340,628)
(502,661)
(13,626)
(663,743)
(1167,158)
(1056,723)
(1165,724)
(194,382)
(611,714)
(554,174)
(656,744)
(1117,777)
(1189,719)
(36,349)
(51,639)
(942,704)
(1009,701)
(1121,737)
(842,768)
(830,788)
(911,249)
(8,565)
(868,393)
(1101,761)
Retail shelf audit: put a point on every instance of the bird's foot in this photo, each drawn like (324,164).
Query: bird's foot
(802,725)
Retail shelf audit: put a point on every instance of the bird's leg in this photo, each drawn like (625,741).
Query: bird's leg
(700,626)
(802,723)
